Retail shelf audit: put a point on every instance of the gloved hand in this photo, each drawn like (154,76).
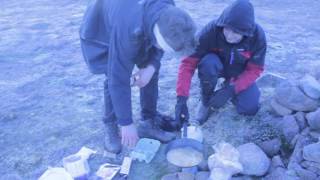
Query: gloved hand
(222,96)
(182,113)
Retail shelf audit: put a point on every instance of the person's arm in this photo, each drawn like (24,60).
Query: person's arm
(255,66)
(189,64)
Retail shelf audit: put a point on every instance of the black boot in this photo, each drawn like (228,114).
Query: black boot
(149,129)
(112,141)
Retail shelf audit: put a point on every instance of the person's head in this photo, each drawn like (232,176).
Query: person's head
(175,30)
(237,21)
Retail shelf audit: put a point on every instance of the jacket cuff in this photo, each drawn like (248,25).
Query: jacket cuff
(125,122)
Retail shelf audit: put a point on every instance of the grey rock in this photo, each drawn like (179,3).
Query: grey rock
(313,119)
(203,166)
(281,174)
(296,156)
(310,86)
(271,147)
(311,152)
(289,95)
(270,80)
(290,128)
(242,178)
(276,162)
(202,175)
(303,173)
(315,135)
(253,159)
(301,120)
(279,109)
(311,166)
(178,176)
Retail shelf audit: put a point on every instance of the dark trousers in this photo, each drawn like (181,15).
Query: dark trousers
(148,100)
(210,69)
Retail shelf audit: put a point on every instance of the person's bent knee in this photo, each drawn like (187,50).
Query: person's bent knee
(210,65)
(248,111)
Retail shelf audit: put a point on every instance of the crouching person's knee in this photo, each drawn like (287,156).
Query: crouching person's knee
(249,110)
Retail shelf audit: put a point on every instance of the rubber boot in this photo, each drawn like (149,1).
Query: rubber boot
(149,129)
(112,141)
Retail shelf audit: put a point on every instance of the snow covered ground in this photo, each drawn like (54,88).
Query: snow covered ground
(51,105)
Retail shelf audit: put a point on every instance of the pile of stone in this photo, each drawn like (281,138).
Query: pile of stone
(295,155)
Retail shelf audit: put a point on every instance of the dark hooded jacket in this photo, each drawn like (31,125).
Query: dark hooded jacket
(243,62)
(115,36)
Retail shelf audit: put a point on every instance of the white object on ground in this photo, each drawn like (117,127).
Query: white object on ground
(55,173)
(225,162)
(108,171)
(194,132)
(77,164)
(126,165)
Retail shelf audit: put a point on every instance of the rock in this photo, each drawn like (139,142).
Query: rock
(313,119)
(270,80)
(13,176)
(253,159)
(281,174)
(279,109)
(311,152)
(290,96)
(203,166)
(310,86)
(303,173)
(271,147)
(315,135)
(242,178)
(290,128)
(276,162)
(202,175)
(311,166)
(296,156)
(178,176)
(301,120)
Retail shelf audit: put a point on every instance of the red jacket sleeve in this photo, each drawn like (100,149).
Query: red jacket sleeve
(248,77)
(186,71)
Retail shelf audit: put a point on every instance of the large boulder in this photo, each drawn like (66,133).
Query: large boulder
(310,86)
(311,152)
(253,159)
(270,80)
(290,128)
(290,96)
(313,119)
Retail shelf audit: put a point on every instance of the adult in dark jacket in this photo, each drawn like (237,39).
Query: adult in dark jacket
(117,35)
(233,47)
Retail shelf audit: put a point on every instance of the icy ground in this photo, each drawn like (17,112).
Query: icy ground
(51,106)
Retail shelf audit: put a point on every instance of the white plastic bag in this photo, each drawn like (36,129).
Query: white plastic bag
(225,162)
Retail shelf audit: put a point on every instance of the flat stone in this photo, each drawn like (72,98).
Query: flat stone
(311,166)
(303,173)
(253,159)
(290,96)
(279,109)
(290,127)
(281,174)
(270,80)
(178,176)
(313,119)
(271,147)
(301,120)
(202,175)
(310,86)
(311,152)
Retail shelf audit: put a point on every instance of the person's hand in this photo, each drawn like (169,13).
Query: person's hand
(143,76)
(182,113)
(129,135)
(222,96)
